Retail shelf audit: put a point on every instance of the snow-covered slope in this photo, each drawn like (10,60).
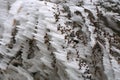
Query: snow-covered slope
(59,40)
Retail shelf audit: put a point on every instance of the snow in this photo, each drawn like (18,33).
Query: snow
(116,68)
(54,57)
(16,7)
